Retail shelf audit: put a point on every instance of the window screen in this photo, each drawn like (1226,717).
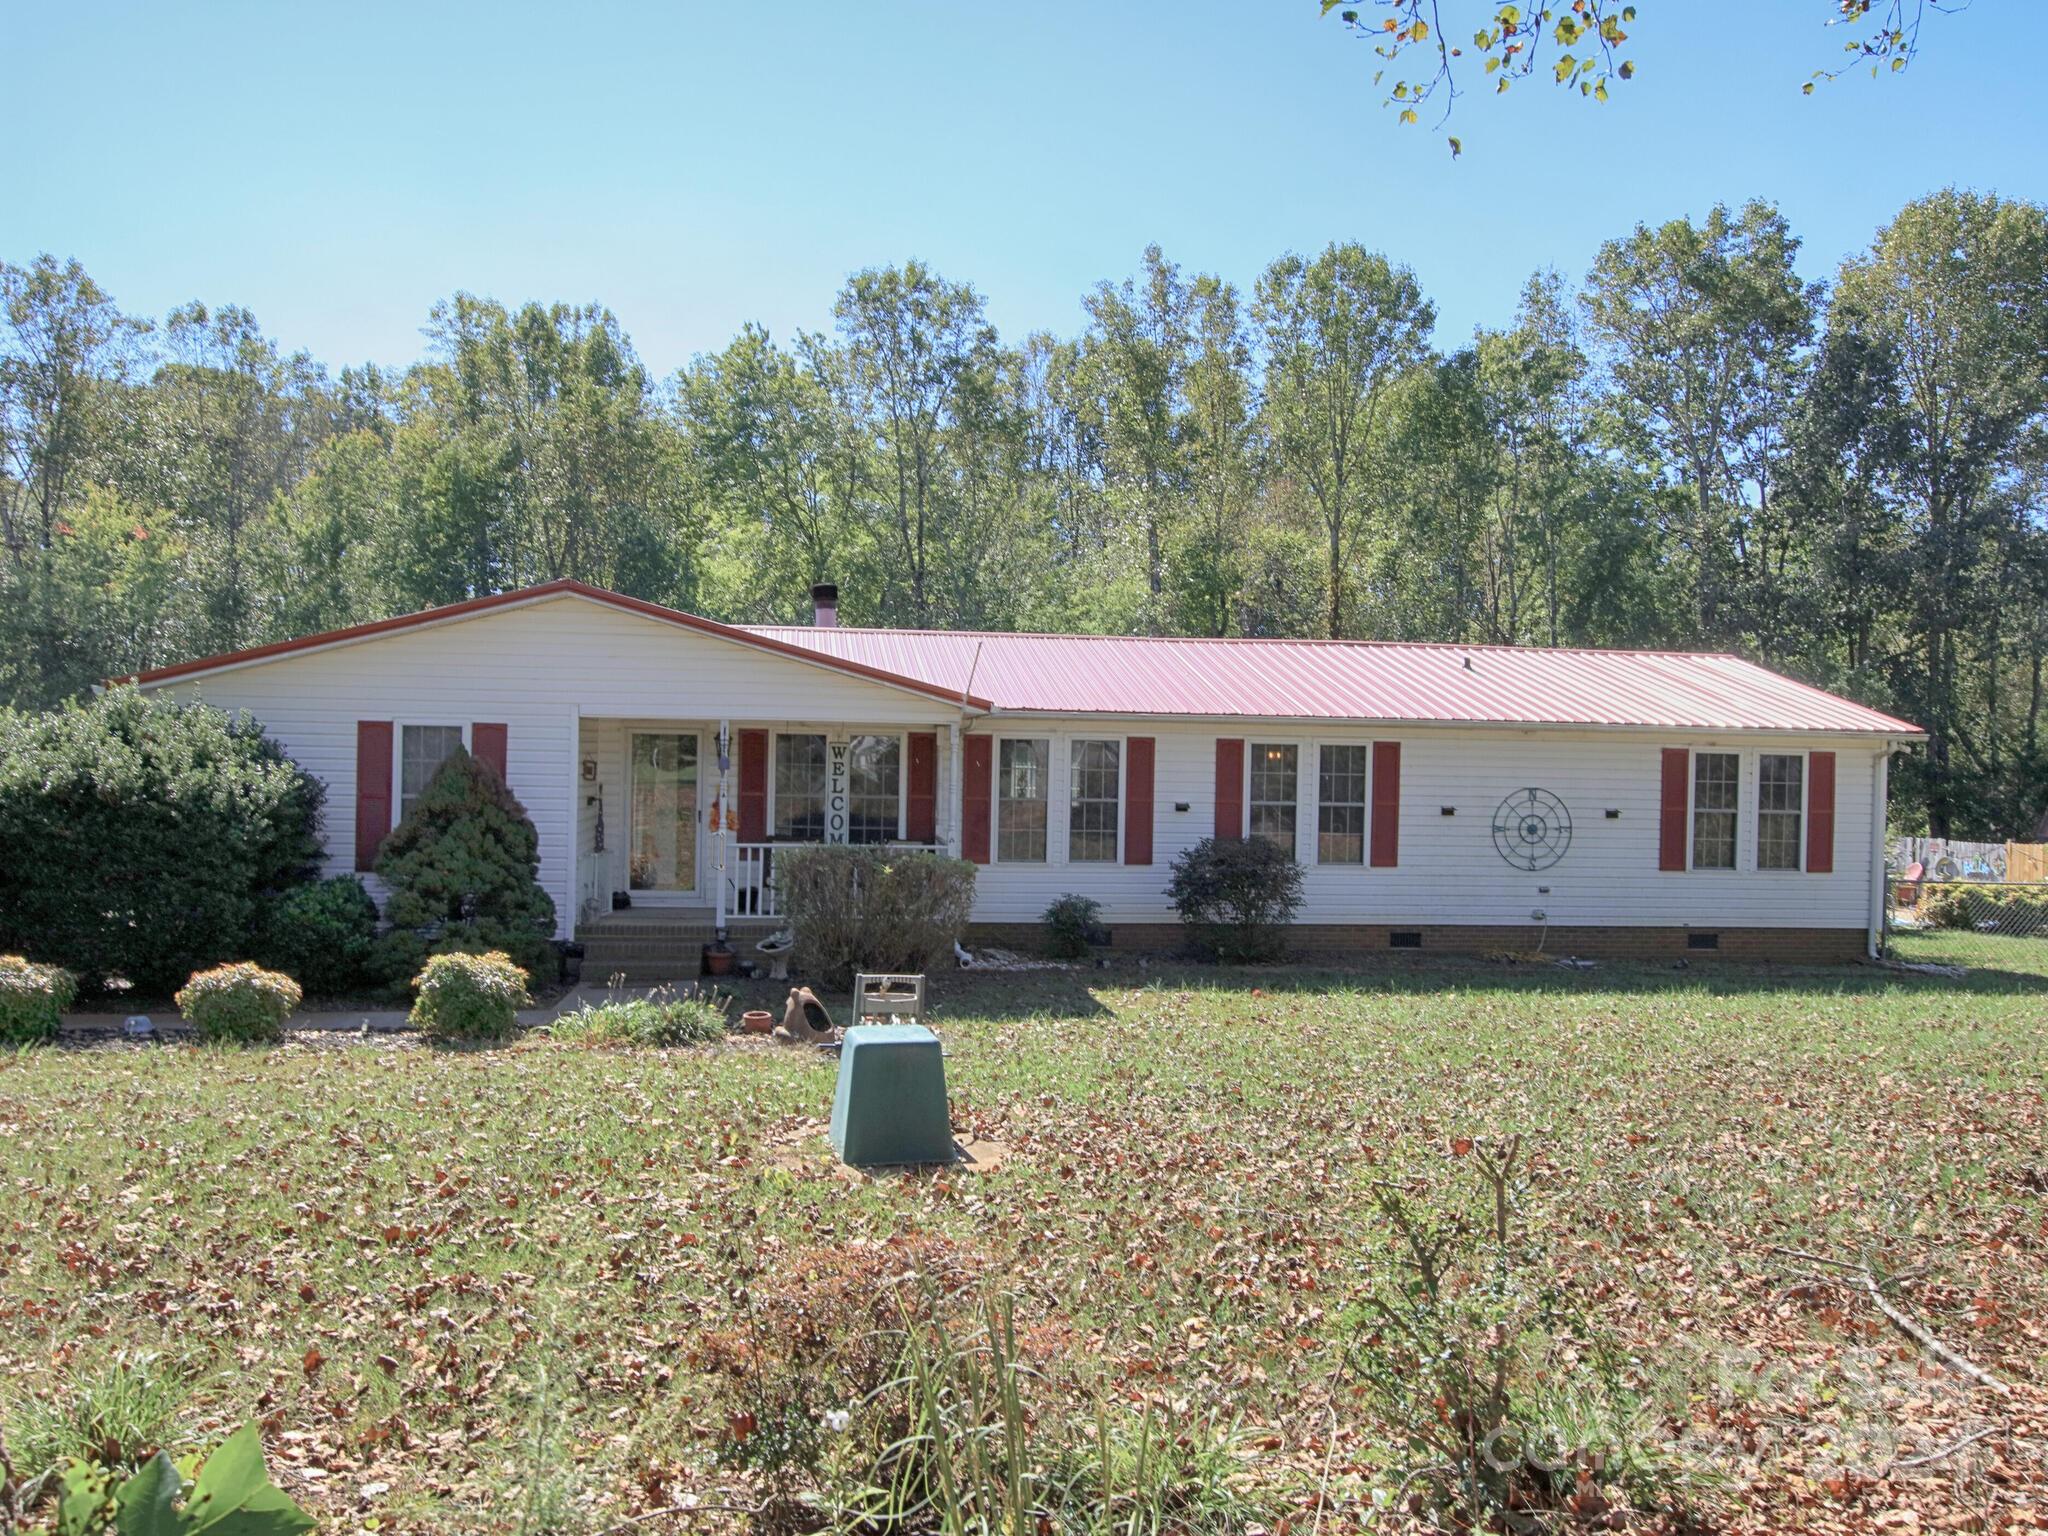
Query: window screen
(1275,778)
(1714,780)
(1020,801)
(1092,819)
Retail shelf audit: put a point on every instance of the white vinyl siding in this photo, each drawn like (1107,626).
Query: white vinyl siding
(1449,869)
(538,667)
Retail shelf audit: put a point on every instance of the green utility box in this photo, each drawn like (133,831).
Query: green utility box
(890,1106)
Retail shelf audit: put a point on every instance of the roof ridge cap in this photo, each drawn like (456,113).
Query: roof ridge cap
(1315,640)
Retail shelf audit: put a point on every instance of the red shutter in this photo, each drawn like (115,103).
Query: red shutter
(921,809)
(373,790)
(978,753)
(1138,800)
(1230,787)
(1671,825)
(1386,804)
(1820,813)
(487,745)
(753,786)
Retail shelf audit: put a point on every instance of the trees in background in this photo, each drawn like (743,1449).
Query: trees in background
(1696,449)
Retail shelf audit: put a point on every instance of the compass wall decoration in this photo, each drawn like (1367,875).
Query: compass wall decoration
(1532,829)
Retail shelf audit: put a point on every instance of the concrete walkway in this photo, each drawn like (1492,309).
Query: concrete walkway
(347,1021)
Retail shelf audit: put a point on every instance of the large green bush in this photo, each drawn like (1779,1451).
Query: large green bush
(32,1000)
(323,933)
(142,839)
(242,1004)
(469,997)
(872,909)
(462,868)
(1237,896)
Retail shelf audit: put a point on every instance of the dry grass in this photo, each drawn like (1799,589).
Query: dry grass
(486,1289)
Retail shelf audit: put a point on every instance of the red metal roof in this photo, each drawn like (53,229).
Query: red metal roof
(1256,679)
(1350,680)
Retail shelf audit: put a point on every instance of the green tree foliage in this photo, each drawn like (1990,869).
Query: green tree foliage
(1429,51)
(1707,329)
(1338,332)
(1939,336)
(463,872)
(1695,448)
(142,839)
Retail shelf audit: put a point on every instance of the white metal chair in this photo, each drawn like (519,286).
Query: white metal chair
(888,998)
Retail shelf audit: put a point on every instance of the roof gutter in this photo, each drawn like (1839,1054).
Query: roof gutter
(1888,737)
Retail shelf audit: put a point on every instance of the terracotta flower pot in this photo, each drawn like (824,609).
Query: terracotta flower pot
(757,1021)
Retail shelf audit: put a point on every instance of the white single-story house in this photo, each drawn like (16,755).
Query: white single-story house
(1439,796)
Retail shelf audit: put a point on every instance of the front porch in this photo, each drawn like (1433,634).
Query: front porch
(679,822)
(646,945)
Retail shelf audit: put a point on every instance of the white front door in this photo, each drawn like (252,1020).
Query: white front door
(663,815)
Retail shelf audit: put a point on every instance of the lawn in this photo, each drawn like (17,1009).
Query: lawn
(552,1287)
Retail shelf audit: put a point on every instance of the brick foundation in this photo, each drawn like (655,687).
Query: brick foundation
(1339,941)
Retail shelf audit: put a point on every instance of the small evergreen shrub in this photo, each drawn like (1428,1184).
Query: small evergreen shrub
(32,1000)
(1236,897)
(469,997)
(691,1017)
(872,909)
(324,933)
(142,839)
(463,869)
(240,1003)
(1072,923)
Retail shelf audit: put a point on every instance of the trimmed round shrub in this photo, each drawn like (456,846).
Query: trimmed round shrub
(32,1000)
(241,1003)
(1236,896)
(1072,923)
(143,839)
(469,997)
(325,934)
(463,870)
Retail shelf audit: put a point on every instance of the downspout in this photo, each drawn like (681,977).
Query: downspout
(1880,789)
(566,923)
(956,800)
(724,762)
(955,807)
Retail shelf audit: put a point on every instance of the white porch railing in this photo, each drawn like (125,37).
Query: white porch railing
(750,875)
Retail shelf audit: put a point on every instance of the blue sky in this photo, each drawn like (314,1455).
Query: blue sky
(338,168)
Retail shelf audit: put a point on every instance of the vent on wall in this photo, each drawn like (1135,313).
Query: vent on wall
(1404,938)
(1703,941)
